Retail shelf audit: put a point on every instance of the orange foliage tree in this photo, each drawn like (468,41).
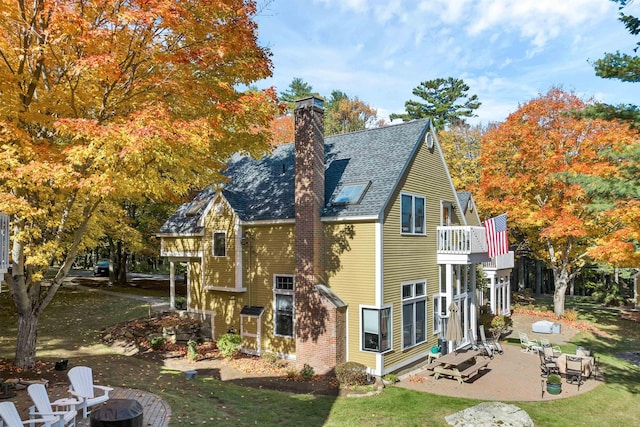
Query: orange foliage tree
(528,165)
(114,101)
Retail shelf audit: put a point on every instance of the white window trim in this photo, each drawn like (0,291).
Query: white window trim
(413,215)
(293,311)
(360,335)
(412,300)
(438,297)
(213,243)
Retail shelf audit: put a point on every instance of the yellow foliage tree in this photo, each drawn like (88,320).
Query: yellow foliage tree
(461,149)
(110,101)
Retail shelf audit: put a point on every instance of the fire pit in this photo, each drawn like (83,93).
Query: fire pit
(118,413)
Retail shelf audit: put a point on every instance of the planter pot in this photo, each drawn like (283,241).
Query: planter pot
(554,388)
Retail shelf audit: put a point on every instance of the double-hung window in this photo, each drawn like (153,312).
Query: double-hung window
(376,326)
(414,313)
(283,288)
(219,244)
(412,209)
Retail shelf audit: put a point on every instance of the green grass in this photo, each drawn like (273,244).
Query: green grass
(72,323)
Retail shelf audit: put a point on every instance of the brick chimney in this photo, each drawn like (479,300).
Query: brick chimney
(313,313)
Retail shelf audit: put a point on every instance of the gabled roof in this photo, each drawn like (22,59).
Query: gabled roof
(264,189)
(463,198)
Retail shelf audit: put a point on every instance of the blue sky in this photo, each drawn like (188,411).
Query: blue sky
(507,51)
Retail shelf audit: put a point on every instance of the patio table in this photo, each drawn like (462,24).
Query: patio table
(587,364)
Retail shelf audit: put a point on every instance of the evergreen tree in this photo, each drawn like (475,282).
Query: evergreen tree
(447,103)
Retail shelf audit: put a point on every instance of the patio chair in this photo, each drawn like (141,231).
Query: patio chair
(547,366)
(9,414)
(83,388)
(44,407)
(479,345)
(526,344)
(555,349)
(574,370)
(493,343)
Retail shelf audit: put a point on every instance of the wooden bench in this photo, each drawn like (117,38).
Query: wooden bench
(461,376)
(473,369)
(432,365)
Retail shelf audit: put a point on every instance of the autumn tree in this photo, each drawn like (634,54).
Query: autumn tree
(616,195)
(527,164)
(447,102)
(461,149)
(282,129)
(344,114)
(107,102)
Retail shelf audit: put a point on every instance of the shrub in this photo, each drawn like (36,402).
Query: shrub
(192,350)
(181,303)
(351,373)
(229,344)
(271,359)
(307,372)
(292,374)
(570,315)
(392,378)
(500,324)
(554,379)
(157,343)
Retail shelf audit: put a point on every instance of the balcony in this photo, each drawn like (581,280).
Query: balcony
(462,245)
(4,244)
(500,262)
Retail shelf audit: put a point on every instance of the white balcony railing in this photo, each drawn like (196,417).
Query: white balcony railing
(500,262)
(462,240)
(4,244)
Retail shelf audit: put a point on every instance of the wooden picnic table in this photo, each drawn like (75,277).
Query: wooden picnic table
(461,364)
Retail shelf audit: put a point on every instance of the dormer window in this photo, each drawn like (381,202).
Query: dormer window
(351,194)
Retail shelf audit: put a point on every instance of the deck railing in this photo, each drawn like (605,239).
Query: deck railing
(500,262)
(4,243)
(462,240)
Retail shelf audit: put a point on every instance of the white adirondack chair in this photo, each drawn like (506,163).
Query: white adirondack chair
(83,388)
(9,414)
(44,407)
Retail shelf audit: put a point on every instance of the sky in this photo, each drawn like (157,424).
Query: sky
(507,51)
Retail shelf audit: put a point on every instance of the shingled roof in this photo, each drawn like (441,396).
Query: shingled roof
(264,189)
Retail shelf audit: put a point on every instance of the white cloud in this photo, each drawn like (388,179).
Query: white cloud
(536,20)
(507,51)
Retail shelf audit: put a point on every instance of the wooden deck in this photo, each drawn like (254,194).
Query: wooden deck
(157,412)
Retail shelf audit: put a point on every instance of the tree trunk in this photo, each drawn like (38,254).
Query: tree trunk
(561,282)
(26,340)
(538,277)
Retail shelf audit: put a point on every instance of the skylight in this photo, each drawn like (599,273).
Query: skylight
(351,194)
(195,207)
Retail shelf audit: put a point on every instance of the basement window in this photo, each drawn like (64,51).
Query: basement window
(351,194)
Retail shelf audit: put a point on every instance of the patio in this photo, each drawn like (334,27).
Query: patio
(512,376)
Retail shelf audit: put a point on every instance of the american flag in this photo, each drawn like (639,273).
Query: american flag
(497,239)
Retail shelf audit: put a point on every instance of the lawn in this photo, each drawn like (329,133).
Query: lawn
(71,325)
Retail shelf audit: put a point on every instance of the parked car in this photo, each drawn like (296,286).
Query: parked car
(101,268)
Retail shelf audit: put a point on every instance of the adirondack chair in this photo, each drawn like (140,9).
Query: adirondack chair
(527,345)
(44,407)
(83,388)
(9,414)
